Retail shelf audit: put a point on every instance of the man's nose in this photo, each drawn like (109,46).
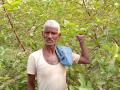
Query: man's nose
(49,35)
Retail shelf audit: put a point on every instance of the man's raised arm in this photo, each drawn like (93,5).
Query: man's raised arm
(84,58)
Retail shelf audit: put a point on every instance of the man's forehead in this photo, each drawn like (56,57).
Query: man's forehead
(53,29)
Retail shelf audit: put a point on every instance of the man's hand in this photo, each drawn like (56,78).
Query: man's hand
(80,38)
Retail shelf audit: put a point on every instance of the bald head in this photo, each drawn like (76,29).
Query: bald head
(52,24)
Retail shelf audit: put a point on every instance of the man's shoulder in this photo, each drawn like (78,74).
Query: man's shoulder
(36,53)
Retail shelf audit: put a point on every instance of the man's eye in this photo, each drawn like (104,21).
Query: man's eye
(46,32)
(53,33)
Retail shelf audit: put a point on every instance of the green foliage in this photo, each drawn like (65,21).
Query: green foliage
(99,20)
(12,69)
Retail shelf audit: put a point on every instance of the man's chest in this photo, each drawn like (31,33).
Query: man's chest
(53,59)
(50,56)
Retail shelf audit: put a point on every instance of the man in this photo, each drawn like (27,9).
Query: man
(45,65)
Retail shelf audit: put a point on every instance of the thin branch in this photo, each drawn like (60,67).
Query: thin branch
(115,41)
(12,26)
(86,8)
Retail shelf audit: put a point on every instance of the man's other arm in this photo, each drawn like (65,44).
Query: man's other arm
(31,82)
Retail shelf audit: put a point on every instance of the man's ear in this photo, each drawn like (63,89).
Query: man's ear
(59,35)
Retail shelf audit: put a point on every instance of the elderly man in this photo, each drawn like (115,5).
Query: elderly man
(45,65)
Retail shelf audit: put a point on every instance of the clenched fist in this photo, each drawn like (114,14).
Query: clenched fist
(80,38)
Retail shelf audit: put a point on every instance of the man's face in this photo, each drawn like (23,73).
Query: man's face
(50,35)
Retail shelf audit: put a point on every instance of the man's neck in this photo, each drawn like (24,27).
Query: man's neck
(49,49)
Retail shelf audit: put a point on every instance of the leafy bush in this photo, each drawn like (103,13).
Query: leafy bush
(99,20)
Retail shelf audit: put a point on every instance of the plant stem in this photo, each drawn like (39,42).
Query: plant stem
(12,26)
